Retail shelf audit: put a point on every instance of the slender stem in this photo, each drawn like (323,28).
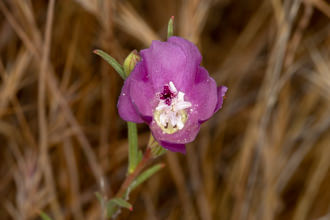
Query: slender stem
(133,158)
(130,178)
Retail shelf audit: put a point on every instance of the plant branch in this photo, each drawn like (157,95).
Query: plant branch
(130,178)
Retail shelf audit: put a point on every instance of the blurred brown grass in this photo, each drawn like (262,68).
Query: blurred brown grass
(265,155)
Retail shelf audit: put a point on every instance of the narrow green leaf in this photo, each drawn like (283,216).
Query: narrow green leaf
(114,203)
(170,27)
(102,201)
(112,62)
(133,157)
(121,202)
(145,175)
(111,209)
(44,216)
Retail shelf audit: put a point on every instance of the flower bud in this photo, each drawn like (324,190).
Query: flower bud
(131,60)
(156,149)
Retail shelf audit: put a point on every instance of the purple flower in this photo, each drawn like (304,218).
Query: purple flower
(171,92)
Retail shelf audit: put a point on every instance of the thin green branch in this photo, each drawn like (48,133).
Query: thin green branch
(133,157)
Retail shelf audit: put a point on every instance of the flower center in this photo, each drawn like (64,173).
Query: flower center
(170,114)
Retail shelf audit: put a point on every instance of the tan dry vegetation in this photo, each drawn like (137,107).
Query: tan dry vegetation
(265,155)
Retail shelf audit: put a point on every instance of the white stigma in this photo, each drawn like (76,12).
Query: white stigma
(172,117)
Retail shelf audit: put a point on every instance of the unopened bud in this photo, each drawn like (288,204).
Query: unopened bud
(131,60)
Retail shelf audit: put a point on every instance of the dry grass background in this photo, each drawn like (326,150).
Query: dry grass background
(265,155)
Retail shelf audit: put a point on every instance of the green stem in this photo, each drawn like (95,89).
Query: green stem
(133,157)
(131,177)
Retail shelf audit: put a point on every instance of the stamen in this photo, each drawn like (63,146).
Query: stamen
(170,114)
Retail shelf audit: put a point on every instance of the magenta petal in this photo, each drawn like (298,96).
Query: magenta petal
(142,95)
(125,107)
(141,91)
(167,62)
(186,135)
(193,55)
(203,95)
(221,93)
(139,72)
(181,148)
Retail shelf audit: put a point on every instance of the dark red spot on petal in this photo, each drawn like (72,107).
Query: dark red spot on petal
(168,101)
(167,95)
